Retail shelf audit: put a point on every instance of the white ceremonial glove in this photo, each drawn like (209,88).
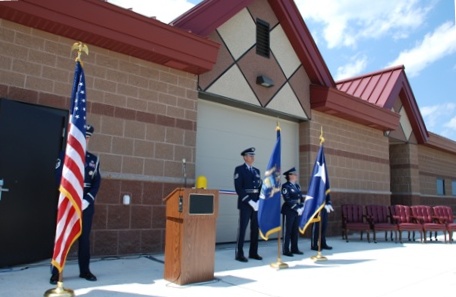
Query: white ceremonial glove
(300,210)
(329,208)
(85,204)
(254,205)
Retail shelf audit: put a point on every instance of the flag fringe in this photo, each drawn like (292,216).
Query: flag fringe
(274,230)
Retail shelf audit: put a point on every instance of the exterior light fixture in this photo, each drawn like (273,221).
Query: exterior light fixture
(264,81)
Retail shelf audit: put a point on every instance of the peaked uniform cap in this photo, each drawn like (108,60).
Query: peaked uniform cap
(290,171)
(89,130)
(249,151)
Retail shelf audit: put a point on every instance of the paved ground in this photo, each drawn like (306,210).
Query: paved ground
(356,268)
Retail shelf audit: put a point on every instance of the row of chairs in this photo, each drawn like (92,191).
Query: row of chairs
(397,219)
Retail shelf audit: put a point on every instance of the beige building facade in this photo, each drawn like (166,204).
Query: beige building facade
(159,94)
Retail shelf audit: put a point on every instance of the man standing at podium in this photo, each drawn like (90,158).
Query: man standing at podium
(247,183)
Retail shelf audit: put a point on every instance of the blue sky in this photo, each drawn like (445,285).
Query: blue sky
(359,36)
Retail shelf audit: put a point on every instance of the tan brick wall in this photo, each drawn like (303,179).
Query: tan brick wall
(404,169)
(357,160)
(145,124)
(436,164)
(357,156)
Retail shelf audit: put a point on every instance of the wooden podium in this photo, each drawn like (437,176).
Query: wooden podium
(190,235)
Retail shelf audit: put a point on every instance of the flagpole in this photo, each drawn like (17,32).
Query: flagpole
(319,256)
(279,264)
(59,290)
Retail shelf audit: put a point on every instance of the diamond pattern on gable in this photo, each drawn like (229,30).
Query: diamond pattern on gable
(263,10)
(233,85)
(224,61)
(238,33)
(397,105)
(283,51)
(405,123)
(287,102)
(253,65)
(300,83)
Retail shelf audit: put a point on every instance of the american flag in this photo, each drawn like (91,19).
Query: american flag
(69,223)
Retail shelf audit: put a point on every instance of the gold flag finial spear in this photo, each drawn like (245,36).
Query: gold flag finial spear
(322,139)
(80,47)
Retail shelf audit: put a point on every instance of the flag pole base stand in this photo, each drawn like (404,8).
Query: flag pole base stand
(279,265)
(59,291)
(318,257)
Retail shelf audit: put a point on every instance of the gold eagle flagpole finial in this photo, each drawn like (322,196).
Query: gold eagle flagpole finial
(80,47)
(322,139)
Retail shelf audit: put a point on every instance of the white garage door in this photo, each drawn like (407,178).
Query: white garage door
(223,132)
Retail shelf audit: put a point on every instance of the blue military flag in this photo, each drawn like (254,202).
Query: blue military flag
(269,203)
(318,191)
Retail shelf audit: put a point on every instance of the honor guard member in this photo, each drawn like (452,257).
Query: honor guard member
(316,227)
(92,180)
(247,182)
(292,209)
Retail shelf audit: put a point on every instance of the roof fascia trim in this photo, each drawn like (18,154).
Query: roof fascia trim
(130,31)
(340,104)
(208,15)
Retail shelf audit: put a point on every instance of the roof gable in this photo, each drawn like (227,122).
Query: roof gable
(383,88)
(207,16)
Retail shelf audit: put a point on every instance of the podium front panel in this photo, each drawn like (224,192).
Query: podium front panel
(201,204)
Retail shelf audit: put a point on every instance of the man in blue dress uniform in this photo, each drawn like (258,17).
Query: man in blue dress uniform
(92,180)
(292,208)
(247,182)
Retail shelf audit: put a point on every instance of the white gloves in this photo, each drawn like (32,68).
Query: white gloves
(85,204)
(300,210)
(254,205)
(329,208)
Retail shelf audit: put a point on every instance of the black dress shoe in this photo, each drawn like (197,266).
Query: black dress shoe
(54,279)
(241,259)
(314,248)
(256,257)
(326,247)
(88,276)
(297,252)
(288,254)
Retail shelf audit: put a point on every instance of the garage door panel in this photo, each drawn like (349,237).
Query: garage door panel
(222,133)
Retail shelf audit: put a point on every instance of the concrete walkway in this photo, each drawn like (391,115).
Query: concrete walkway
(356,268)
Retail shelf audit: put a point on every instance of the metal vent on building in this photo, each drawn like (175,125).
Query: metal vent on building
(262,38)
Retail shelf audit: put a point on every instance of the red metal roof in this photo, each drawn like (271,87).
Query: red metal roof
(377,88)
(383,88)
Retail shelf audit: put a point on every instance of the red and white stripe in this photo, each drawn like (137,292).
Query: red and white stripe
(69,213)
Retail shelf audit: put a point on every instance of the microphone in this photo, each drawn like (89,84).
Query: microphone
(180,206)
(184,169)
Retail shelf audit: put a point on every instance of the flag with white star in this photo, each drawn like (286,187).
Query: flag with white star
(318,190)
